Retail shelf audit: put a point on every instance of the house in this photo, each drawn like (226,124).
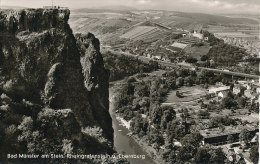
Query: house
(149,55)
(239,88)
(157,57)
(48,7)
(249,89)
(232,156)
(220,91)
(217,136)
(198,35)
(250,94)
(184,35)
(212,62)
(247,159)
(172,49)
(179,45)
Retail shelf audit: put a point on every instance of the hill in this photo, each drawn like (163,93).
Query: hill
(53,89)
(111,23)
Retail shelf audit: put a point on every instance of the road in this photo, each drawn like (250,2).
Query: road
(164,63)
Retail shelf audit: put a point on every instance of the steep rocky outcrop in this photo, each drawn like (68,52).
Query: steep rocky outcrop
(46,72)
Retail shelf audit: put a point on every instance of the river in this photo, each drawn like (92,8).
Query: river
(124,144)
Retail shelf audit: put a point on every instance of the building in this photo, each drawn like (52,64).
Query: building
(220,91)
(197,35)
(231,155)
(157,57)
(217,136)
(179,45)
(172,49)
(249,89)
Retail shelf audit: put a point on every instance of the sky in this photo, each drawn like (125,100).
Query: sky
(202,6)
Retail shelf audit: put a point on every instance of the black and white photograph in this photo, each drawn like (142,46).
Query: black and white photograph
(129,81)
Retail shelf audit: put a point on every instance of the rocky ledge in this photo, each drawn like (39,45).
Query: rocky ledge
(52,85)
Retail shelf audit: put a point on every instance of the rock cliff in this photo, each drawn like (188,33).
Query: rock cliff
(52,84)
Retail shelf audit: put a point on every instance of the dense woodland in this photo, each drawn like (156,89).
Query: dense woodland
(124,66)
(229,56)
(140,101)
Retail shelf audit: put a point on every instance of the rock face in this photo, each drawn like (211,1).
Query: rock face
(41,62)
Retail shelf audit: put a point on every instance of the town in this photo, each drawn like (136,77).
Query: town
(129,85)
(196,84)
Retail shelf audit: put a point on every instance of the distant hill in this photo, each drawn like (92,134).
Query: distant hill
(109,23)
(105,8)
(120,8)
(13,7)
(180,17)
(208,18)
(248,16)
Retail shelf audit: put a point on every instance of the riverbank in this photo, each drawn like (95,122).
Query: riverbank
(124,122)
(150,151)
(123,143)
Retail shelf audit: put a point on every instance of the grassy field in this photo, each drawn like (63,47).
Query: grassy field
(188,94)
(247,32)
(197,52)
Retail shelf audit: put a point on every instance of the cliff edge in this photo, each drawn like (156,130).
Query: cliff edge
(53,86)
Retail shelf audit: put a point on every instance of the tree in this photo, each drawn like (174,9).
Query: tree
(244,136)
(204,58)
(184,154)
(221,127)
(217,156)
(202,156)
(180,81)
(204,114)
(230,139)
(228,102)
(254,154)
(139,126)
(241,102)
(188,81)
(141,90)
(190,144)
(178,94)
(168,115)
(155,136)
(193,140)
(191,60)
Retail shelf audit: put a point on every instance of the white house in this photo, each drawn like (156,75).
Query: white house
(220,91)
(179,45)
(198,35)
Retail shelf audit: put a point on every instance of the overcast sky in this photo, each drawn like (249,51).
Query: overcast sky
(203,6)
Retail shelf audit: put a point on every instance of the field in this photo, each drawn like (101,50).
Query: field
(197,52)
(188,94)
(247,32)
(145,33)
(104,25)
(109,25)
(139,31)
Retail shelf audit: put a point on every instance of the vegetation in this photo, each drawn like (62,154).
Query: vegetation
(254,154)
(229,56)
(140,101)
(124,66)
(28,128)
(191,60)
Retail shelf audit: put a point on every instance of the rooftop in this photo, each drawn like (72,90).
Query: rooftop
(219,89)
(179,45)
(215,132)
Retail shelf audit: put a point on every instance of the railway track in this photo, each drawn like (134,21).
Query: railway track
(168,64)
